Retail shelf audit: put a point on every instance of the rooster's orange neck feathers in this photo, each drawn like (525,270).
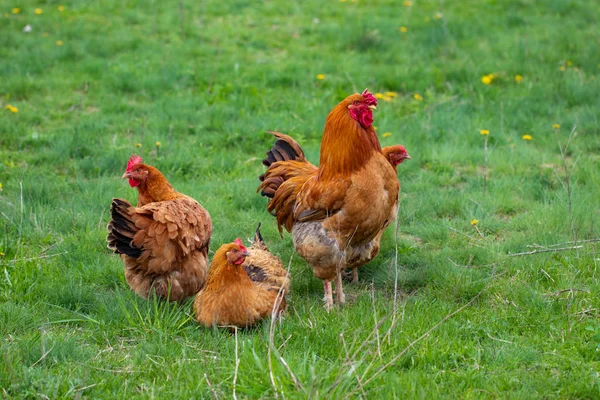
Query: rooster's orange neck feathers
(346,145)
(155,188)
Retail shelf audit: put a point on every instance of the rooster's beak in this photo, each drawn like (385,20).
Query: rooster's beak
(373,107)
(126,175)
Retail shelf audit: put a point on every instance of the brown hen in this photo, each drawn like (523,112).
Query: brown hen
(164,240)
(244,286)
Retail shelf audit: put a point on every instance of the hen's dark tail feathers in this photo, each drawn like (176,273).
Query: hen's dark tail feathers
(121,230)
(258,241)
(284,149)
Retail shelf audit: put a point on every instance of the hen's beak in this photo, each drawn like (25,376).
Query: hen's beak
(126,175)
(246,254)
(407,157)
(373,107)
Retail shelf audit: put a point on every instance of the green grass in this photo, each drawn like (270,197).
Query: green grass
(207,78)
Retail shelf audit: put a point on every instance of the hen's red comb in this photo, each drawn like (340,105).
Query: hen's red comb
(133,161)
(238,241)
(369,98)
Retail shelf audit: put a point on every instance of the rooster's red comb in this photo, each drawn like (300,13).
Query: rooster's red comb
(369,98)
(133,161)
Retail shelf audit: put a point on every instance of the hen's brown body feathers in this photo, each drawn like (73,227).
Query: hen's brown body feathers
(242,295)
(163,244)
(336,212)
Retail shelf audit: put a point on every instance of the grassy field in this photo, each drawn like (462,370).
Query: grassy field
(444,311)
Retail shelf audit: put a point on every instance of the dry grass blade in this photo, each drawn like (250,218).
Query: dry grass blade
(271,347)
(570,291)
(527,253)
(237,362)
(210,386)
(42,357)
(567,179)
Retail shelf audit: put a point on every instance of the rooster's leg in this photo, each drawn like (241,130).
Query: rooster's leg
(355,275)
(340,297)
(328,295)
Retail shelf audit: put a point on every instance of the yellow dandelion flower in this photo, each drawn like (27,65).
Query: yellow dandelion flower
(320,77)
(61,8)
(1,254)
(418,97)
(407,3)
(487,79)
(38,11)
(12,109)
(138,145)
(403,29)
(59,43)
(484,132)
(374,127)
(157,144)
(555,126)
(518,78)
(474,222)
(387,134)
(527,137)
(0,185)
(391,94)
(387,98)
(438,15)
(379,95)
(562,68)
(16,10)
(569,63)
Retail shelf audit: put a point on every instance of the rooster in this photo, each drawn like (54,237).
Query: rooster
(335,211)
(244,286)
(287,149)
(164,240)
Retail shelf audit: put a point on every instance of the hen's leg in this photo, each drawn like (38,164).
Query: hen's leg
(355,275)
(328,295)
(340,297)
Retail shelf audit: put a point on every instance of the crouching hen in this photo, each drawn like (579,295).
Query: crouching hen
(164,240)
(335,211)
(244,286)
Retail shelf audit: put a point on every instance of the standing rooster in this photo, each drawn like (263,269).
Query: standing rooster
(164,240)
(337,211)
(287,149)
(244,286)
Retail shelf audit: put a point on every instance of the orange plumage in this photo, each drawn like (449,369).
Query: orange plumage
(244,286)
(164,241)
(336,212)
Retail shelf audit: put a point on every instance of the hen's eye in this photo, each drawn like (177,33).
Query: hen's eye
(355,102)
(138,170)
